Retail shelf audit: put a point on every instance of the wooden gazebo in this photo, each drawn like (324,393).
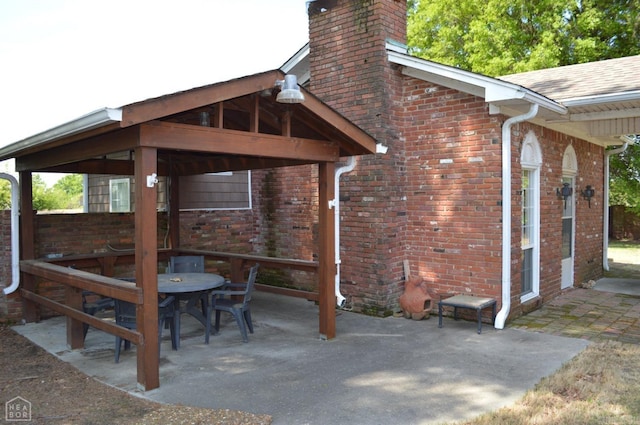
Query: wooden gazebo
(166,136)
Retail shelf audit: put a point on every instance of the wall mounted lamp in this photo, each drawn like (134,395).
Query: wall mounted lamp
(290,92)
(588,193)
(564,192)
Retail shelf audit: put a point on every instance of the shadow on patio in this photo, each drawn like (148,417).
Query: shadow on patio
(377,370)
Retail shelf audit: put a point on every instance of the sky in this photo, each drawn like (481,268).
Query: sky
(62,59)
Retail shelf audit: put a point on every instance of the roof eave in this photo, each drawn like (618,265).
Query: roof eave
(492,90)
(602,98)
(96,119)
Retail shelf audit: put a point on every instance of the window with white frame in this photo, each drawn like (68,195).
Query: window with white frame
(119,195)
(531,162)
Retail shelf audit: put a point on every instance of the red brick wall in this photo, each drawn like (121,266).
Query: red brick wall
(454,169)
(69,234)
(588,221)
(350,72)
(285,202)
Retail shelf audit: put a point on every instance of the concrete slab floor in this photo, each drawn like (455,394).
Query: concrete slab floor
(390,370)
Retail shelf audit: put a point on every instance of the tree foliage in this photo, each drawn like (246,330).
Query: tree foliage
(500,37)
(624,179)
(66,193)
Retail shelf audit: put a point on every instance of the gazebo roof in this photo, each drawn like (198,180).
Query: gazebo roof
(233,125)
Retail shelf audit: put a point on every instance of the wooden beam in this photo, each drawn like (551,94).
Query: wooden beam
(217,164)
(146,220)
(103,285)
(218,118)
(165,135)
(333,118)
(117,141)
(75,328)
(289,292)
(80,316)
(254,114)
(152,109)
(327,270)
(286,123)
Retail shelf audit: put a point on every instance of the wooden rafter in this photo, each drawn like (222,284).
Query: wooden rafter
(162,135)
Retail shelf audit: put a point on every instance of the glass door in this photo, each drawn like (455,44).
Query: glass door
(568,237)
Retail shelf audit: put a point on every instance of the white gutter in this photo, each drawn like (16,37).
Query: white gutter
(335,204)
(605,224)
(602,98)
(15,239)
(95,119)
(501,318)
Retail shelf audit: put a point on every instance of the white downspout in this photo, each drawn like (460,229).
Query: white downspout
(501,317)
(15,236)
(335,204)
(605,224)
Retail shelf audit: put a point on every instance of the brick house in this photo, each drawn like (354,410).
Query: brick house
(470,190)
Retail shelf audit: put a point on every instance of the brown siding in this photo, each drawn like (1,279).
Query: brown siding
(215,191)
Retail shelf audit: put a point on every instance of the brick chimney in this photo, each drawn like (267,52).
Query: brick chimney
(348,60)
(351,73)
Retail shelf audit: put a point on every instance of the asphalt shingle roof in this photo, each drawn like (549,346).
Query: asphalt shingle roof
(582,80)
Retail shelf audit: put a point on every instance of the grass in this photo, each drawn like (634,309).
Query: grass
(598,386)
(624,259)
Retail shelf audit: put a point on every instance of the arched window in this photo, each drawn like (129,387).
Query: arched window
(531,161)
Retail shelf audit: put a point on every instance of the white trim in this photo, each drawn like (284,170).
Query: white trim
(602,98)
(569,162)
(95,119)
(118,183)
(534,243)
(491,89)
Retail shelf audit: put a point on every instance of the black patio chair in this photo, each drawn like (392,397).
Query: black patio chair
(228,300)
(186,264)
(92,304)
(190,264)
(126,316)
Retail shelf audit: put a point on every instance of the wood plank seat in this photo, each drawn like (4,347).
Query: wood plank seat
(470,302)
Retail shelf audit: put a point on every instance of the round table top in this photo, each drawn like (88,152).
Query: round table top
(188,282)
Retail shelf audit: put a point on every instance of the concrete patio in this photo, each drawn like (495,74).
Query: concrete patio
(390,370)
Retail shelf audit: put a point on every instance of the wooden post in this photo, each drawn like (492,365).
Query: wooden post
(146,222)
(75,328)
(327,267)
(237,270)
(30,310)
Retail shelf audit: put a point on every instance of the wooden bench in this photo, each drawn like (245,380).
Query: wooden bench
(467,301)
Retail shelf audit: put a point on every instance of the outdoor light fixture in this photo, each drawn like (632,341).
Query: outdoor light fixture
(290,92)
(588,193)
(564,192)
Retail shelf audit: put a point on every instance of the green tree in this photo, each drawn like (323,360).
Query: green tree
(500,37)
(69,189)
(5,194)
(624,181)
(65,194)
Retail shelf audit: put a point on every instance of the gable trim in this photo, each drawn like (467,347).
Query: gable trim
(491,89)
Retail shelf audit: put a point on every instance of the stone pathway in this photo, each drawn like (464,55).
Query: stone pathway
(588,314)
